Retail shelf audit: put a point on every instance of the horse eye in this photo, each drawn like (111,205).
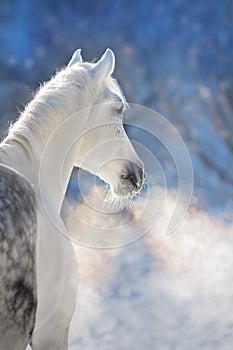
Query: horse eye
(120,109)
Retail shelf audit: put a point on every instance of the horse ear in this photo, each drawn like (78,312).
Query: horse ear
(105,66)
(76,58)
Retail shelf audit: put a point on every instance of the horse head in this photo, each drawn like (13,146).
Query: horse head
(104,148)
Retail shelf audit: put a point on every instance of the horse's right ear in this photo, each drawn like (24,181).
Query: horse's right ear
(75,58)
(105,66)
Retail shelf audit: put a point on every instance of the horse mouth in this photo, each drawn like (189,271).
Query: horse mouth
(130,185)
(127,191)
(131,181)
(120,196)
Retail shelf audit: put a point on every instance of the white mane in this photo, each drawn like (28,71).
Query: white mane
(68,92)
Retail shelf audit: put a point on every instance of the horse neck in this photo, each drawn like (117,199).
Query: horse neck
(31,150)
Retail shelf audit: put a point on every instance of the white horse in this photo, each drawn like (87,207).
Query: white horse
(89,89)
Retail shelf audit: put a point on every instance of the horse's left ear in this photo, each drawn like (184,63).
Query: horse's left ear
(75,58)
(105,66)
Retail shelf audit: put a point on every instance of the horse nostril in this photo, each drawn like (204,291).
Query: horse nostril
(134,175)
(130,177)
(124,176)
(133,179)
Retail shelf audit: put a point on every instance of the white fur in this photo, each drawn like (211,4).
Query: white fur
(76,58)
(79,87)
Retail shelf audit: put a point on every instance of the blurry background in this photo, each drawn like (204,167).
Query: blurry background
(175,57)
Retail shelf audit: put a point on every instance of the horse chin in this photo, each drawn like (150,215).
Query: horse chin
(126,190)
(118,198)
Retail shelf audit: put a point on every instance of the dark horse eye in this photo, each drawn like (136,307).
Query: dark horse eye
(120,109)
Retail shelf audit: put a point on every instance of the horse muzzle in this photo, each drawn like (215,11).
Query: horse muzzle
(131,180)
